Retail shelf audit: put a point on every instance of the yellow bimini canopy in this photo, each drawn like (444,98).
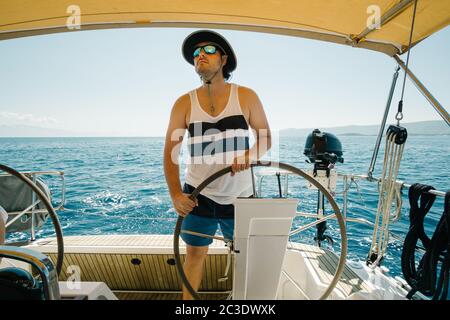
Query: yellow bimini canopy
(349,22)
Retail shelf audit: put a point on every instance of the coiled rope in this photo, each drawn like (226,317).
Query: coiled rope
(437,249)
(388,189)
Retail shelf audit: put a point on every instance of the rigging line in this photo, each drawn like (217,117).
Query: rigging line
(399,115)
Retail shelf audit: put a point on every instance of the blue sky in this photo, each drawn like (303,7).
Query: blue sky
(123,82)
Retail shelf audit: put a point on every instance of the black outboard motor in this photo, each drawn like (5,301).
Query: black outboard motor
(324,150)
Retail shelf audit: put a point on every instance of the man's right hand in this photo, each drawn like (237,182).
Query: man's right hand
(183,204)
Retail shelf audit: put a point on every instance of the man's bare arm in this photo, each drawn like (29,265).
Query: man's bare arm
(172,145)
(261,130)
(260,126)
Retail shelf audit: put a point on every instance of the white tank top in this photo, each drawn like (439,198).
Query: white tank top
(212,145)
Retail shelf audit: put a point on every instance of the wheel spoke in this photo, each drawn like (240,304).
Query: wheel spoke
(203,235)
(312,224)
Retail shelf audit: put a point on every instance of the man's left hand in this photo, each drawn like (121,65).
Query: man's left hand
(240,163)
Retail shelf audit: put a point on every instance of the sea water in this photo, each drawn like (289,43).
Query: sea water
(117,186)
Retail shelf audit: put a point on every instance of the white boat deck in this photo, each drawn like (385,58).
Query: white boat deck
(135,266)
(324,263)
(120,244)
(138,266)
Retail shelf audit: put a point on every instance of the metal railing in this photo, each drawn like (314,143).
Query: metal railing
(347,181)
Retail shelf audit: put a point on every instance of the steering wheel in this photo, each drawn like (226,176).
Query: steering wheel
(51,211)
(337,212)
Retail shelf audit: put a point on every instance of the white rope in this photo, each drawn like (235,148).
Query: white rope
(389,189)
(395,216)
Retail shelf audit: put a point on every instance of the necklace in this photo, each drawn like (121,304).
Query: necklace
(212,108)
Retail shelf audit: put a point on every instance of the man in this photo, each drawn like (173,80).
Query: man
(218,116)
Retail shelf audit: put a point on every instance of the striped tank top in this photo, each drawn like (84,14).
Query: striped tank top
(213,143)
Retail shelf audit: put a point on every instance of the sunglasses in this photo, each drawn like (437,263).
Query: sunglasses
(208,49)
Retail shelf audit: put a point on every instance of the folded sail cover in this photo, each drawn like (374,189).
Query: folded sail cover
(16,196)
(349,22)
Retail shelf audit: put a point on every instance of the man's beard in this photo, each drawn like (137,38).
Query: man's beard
(208,75)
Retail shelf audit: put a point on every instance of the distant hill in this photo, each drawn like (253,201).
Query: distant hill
(32,131)
(414,128)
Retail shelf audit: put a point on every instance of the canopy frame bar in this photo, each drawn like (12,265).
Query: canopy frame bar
(422,89)
(385,47)
(383,124)
(388,16)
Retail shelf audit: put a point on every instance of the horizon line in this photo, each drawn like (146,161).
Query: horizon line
(162,137)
